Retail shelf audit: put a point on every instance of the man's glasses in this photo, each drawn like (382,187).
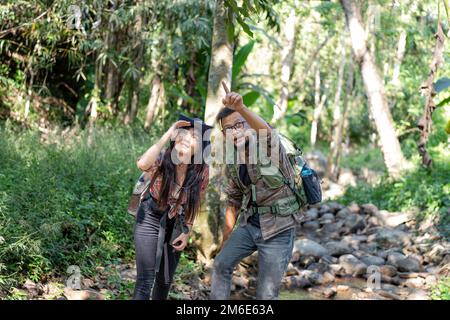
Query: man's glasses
(237,126)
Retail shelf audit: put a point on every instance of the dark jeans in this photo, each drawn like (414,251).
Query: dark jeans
(146,240)
(274,255)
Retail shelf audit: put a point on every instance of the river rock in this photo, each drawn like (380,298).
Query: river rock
(391,237)
(352,265)
(372,260)
(327,218)
(388,270)
(296,282)
(338,248)
(369,208)
(329,292)
(312,225)
(354,222)
(403,263)
(305,261)
(309,247)
(343,213)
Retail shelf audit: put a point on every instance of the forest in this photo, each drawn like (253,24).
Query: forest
(362,86)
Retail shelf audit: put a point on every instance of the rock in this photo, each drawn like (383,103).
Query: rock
(305,261)
(372,260)
(328,278)
(311,225)
(324,209)
(354,208)
(352,265)
(354,222)
(337,248)
(87,283)
(431,280)
(418,295)
(318,267)
(327,218)
(416,283)
(314,277)
(392,237)
(387,270)
(240,281)
(295,257)
(296,282)
(342,288)
(329,292)
(31,288)
(71,294)
(336,269)
(335,206)
(436,253)
(309,247)
(291,270)
(388,295)
(343,213)
(312,214)
(402,263)
(369,209)
(328,260)
(392,219)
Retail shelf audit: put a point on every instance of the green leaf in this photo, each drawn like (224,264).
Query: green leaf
(240,59)
(441,84)
(443,102)
(250,98)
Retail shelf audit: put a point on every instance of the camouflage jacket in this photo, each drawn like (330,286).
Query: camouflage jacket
(269,189)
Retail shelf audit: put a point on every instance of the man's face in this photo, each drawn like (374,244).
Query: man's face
(234,125)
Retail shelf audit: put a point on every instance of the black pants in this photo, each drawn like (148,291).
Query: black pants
(146,241)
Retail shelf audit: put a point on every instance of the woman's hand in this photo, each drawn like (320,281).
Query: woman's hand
(181,241)
(172,132)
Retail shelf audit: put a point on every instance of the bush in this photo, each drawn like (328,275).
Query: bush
(64,201)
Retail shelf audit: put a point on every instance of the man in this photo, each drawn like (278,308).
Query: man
(262,199)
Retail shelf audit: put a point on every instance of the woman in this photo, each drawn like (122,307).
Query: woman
(173,198)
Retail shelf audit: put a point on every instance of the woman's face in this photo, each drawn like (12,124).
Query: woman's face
(187,142)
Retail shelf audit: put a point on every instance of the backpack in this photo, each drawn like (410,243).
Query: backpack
(304,175)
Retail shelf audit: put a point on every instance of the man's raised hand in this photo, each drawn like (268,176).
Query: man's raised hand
(232,100)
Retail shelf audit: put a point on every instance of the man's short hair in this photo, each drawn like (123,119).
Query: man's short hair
(224,112)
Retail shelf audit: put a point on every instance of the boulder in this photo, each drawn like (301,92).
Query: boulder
(338,248)
(403,263)
(352,265)
(392,237)
(354,222)
(372,260)
(310,248)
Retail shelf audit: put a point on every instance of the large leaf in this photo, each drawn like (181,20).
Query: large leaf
(240,59)
(441,84)
(251,97)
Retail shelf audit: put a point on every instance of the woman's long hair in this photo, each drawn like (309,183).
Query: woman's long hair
(191,185)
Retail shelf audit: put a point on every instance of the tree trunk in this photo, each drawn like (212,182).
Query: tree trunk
(319,102)
(337,119)
(286,67)
(390,146)
(134,83)
(428,91)
(399,58)
(153,101)
(209,221)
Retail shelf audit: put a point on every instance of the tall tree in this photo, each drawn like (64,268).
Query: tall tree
(209,220)
(331,170)
(287,57)
(374,87)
